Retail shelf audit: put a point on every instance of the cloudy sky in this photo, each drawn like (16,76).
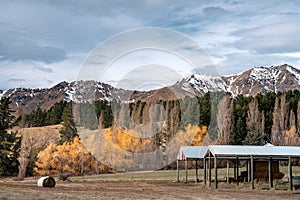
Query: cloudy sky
(45,42)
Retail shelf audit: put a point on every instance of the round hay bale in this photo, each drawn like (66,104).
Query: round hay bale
(46,181)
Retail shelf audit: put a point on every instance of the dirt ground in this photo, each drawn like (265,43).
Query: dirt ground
(135,189)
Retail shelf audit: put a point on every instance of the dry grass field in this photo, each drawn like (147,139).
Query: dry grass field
(141,185)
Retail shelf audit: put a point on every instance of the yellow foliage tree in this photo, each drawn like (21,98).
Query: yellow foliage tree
(125,139)
(70,157)
(291,137)
(110,151)
(46,165)
(192,135)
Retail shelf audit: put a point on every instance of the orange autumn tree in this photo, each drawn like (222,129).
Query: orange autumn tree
(114,148)
(126,139)
(291,137)
(46,165)
(70,157)
(192,135)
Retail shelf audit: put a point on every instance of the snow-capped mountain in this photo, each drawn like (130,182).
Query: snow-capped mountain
(200,84)
(24,100)
(264,79)
(251,82)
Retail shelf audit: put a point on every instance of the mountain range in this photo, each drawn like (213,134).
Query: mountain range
(249,83)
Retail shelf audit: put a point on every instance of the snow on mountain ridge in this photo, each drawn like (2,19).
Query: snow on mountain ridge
(204,83)
(250,82)
(261,73)
(258,80)
(294,72)
(88,91)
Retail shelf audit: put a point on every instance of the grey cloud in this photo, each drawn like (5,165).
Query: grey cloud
(275,38)
(78,25)
(215,11)
(48,81)
(198,18)
(14,47)
(43,69)
(17,80)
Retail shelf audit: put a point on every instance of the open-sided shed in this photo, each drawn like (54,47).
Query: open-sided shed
(237,153)
(190,153)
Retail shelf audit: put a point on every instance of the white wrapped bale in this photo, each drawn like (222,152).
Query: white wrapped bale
(46,181)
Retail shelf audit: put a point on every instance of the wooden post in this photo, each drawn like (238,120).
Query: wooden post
(270,172)
(227,173)
(237,171)
(248,170)
(177,174)
(197,179)
(209,170)
(216,173)
(186,171)
(204,170)
(252,173)
(234,170)
(290,174)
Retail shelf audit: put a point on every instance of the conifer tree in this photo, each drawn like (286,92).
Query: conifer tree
(55,113)
(9,142)
(255,125)
(253,137)
(68,131)
(241,107)
(205,109)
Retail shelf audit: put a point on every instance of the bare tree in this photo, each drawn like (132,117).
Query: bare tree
(31,140)
(225,120)
(280,120)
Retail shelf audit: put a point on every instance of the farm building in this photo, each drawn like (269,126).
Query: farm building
(262,162)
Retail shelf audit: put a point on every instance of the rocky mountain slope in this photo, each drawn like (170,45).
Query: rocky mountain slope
(251,82)
(263,80)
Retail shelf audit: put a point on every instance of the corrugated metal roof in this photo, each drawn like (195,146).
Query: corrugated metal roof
(236,150)
(192,152)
